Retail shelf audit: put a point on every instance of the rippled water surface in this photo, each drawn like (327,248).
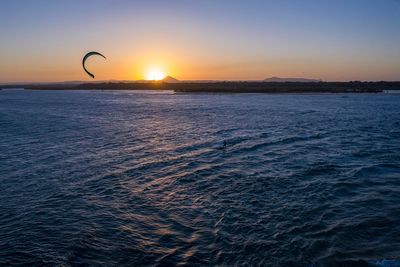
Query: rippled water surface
(137,178)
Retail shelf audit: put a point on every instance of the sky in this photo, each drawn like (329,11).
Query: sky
(341,40)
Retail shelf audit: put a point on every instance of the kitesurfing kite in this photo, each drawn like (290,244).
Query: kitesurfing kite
(93,53)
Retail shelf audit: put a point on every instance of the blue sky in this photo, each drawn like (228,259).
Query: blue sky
(44,40)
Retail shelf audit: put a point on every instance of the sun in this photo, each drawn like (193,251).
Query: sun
(155,75)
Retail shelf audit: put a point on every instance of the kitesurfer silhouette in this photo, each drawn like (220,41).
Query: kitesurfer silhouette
(223,147)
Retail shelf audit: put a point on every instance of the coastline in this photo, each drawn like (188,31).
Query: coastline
(224,87)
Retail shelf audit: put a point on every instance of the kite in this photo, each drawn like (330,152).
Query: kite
(93,53)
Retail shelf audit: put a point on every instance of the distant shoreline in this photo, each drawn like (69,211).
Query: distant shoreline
(225,87)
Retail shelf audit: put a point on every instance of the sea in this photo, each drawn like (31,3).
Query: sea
(143,178)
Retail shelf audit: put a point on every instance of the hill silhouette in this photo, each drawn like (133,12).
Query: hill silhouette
(170,79)
(294,80)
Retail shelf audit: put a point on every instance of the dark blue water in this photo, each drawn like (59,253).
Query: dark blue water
(137,179)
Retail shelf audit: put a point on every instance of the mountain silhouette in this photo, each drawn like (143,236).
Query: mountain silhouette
(170,79)
(296,80)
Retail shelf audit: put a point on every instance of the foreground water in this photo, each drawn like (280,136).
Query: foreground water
(136,178)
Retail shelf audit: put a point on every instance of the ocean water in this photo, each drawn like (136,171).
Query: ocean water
(110,178)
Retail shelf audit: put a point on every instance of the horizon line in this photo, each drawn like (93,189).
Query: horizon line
(198,80)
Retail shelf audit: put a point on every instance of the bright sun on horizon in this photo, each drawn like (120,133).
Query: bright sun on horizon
(155,75)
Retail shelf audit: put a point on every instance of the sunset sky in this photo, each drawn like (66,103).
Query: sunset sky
(216,39)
